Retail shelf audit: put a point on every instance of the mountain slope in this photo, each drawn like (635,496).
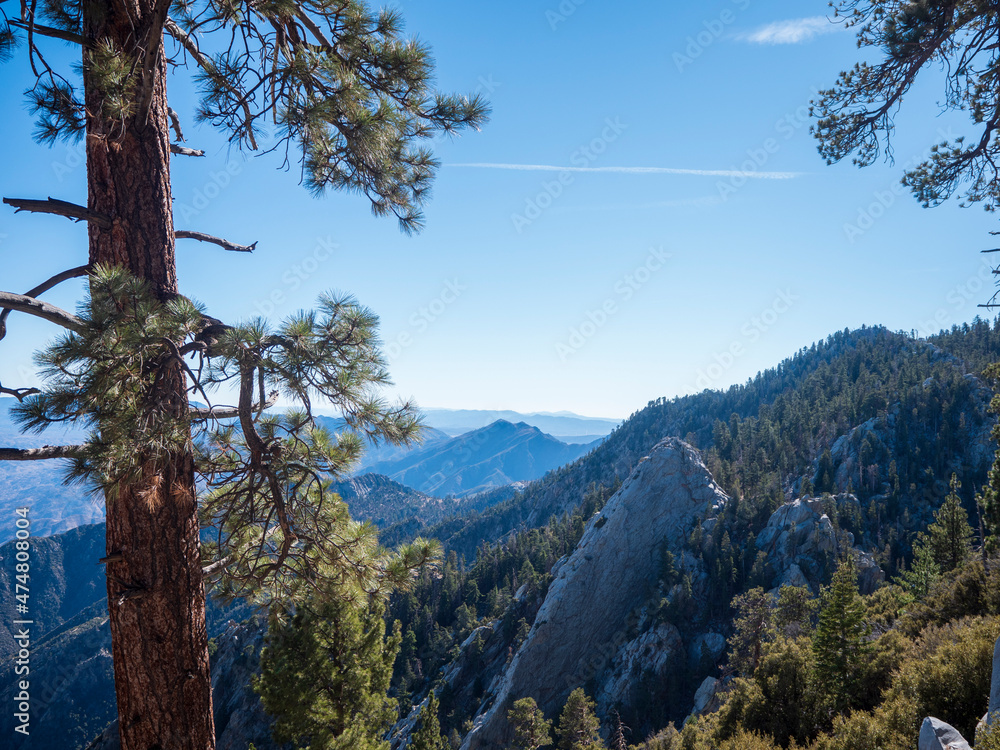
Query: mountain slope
(762,438)
(502,453)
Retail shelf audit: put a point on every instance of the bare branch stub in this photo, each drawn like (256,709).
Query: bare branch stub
(183,234)
(39,454)
(185,151)
(60,208)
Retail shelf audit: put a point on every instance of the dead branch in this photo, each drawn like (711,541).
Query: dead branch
(185,151)
(199,414)
(175,123)
(38,454)
(31,306)
(66,36)
(44,287)
(152,49)
(61,208)
(183,234)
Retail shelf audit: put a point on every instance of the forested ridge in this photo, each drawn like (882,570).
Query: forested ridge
(873,422)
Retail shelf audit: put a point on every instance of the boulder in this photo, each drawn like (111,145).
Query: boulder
(994,686)
(705,698)
(936,735)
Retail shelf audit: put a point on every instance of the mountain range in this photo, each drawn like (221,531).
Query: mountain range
(848,444)
(485,459)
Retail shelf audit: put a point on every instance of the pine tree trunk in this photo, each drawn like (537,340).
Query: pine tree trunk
(156,595)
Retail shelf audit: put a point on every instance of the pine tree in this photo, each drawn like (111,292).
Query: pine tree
(924,570)
(325,675)
(618,741)
(794,610)
(950,536)
(752,628)
(336,83)
(579,727)
(840,643)
(531,730)
(428,735)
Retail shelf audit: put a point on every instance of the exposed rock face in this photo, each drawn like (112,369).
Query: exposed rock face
(707,646)
(583,623)
(652,653)
(936,735)
(801,545)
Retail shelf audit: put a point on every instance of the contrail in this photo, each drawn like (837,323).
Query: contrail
(635,170)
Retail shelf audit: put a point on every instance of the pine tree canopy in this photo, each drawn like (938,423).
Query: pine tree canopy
(856,114)
(333,85)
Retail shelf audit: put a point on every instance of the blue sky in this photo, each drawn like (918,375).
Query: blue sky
(654,267)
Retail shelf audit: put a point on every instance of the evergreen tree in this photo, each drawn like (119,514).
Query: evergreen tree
(428,736)
(950,536)
(752,628)
(618,741)
(531,730)
(924,570)
(579,727)
(340,85)
(794,610)
(840,642)
(325,674)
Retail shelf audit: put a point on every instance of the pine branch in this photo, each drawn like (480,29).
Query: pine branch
(198,414)
(44,287)
(61,208)
(38,454)
(185,151)
(66,36)
(19,393)
(31,306)
(184,234)
(189,44)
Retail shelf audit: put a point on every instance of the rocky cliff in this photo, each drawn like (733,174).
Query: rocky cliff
(586,620)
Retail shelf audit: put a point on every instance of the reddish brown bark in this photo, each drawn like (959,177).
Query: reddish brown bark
(156,595)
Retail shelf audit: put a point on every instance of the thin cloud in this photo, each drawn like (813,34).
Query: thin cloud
(635,170)
(707,201)
(795,31)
